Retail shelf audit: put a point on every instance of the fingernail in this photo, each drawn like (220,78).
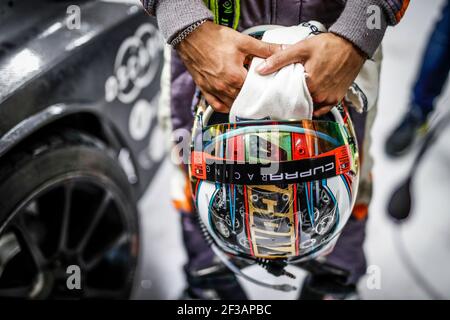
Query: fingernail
(262,67)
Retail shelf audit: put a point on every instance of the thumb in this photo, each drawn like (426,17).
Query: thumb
(260,49)
(289,55)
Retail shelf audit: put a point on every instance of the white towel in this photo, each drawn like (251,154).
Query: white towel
(284,94)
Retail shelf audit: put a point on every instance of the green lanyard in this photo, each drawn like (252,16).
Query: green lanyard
(226,12)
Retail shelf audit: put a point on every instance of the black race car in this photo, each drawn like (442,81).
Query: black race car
(79,89)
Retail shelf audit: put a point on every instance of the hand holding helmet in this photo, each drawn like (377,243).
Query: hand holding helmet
(214,55)
(331,62)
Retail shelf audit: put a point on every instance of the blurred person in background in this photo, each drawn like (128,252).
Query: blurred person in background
(211,56)
(430,81)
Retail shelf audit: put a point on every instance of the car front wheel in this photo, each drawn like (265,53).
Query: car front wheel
(68,221)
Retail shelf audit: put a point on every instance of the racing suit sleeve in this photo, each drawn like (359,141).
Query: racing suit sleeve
(355,22)
(176,15)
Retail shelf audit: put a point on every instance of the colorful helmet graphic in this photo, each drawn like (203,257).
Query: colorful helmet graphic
(274,189)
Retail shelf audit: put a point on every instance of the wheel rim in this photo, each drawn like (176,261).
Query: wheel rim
(83,222)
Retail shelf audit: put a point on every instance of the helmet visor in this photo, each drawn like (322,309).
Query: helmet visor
(264,152)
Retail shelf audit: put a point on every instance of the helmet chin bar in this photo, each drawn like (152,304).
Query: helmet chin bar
(227,261)
(275,267)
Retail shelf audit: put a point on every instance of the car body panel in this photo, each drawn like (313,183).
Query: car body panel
(109,67)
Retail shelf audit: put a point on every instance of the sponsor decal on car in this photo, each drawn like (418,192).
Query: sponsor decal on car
(136,64)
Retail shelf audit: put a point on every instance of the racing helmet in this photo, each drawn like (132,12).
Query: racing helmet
(274,190)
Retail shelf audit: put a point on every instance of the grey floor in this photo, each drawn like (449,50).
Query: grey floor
(426,235)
